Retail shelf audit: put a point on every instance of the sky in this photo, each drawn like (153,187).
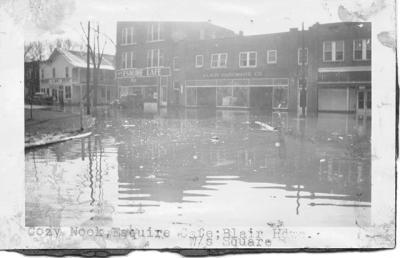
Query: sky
(62,18)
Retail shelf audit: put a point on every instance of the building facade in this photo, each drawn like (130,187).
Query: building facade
(206,65)
(63,76)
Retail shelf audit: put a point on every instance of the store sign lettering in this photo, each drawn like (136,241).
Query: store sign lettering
(143,72)
(233,74)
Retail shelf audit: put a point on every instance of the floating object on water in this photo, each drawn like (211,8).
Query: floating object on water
(265,127)
(277,144)
(214,139)
(195,157)
(322,160)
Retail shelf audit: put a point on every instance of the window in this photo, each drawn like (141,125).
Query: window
(333,51)
(219,60)
(361,99)
(128,36)
(199,61)
(42,71)
(128,60)
(154,32)
(48,91)
(155,57)
(67,92)
(272,57)
(176,63)
(248,59)
(362,49)
(67,72)
(54,72)
(302,56)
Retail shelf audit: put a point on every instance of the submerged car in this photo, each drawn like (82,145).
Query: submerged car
(133,101)
(41,98)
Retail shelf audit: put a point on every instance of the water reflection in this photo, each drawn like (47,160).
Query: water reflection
(178,161)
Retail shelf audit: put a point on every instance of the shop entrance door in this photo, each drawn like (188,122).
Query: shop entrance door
(364,101)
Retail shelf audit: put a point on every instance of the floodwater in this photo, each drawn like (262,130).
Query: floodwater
(204,167)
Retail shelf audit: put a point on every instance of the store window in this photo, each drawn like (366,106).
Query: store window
(128,36)
(280,97)
(248,59)
(199,61)
(362,49)
(272,57)
(233,96)
(219,60)
(333,51)
(302,56)
(369,99)
(191,96)
(67,92)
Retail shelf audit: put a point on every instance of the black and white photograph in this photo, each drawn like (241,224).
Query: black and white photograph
(191,124)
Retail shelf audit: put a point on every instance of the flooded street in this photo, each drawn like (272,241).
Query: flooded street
(204,167)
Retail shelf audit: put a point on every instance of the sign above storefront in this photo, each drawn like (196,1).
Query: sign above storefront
(143,72)
(246,74)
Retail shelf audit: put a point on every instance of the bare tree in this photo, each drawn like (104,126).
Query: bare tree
(34,51)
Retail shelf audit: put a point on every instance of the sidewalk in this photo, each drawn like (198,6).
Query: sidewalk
(53,126)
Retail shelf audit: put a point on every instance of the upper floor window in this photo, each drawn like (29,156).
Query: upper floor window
(176,63)
(155,57)
(154,32)
(333,51)
(219,60)
(362,49)
(302,57)
(128,60)
(54,72)
(128,36)
(248,59)
(199,61)
(66,72)
(272,57)
(42,71)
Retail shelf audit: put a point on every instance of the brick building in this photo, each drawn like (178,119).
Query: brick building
(199,64)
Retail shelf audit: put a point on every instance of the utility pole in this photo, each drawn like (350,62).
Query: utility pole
(303,93)
(88,72)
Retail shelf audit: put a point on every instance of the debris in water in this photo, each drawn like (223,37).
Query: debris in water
(265,127)
(195,157)
(214,139)
(277,144)
(322,160)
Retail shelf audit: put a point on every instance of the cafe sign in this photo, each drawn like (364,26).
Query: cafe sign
(143,72)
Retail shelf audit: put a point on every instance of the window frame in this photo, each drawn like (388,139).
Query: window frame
(150,31)
(268,56)
(128,36)
(70,92)
(298,56)
(160,57)
(333,51)
(219,59)
(247,53)
(364,49)
(202,61)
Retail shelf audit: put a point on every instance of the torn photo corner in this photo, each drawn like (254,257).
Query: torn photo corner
(262,125)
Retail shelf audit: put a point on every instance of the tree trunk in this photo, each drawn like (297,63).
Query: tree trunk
(95,85)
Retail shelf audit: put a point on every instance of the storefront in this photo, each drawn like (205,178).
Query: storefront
(268,93)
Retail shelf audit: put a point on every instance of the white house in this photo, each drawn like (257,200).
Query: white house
(63,76)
